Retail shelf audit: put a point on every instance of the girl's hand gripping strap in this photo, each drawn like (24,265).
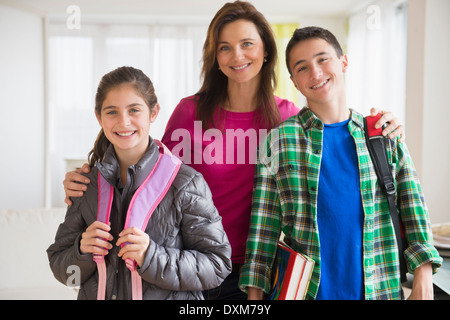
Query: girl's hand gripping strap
(105,197)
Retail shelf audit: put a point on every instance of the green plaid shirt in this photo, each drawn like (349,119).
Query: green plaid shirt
(285,199)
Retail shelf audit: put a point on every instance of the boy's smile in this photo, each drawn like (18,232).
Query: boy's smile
(320,85)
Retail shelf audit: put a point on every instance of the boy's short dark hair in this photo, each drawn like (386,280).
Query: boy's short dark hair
(307,33)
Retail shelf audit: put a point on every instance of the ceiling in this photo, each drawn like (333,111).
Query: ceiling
(206,8)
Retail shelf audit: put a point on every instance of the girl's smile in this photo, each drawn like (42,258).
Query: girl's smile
(125,134)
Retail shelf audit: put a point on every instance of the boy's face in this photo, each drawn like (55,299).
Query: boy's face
(317,71)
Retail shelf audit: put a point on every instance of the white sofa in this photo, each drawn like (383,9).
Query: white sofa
(24,269)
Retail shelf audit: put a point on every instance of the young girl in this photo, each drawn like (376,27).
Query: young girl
(183,249)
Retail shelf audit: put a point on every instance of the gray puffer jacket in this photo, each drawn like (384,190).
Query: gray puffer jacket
(189,250)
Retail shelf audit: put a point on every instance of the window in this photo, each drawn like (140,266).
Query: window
(77,59)
(377,58)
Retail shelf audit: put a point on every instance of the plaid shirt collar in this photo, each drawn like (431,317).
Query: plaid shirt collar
(308,119)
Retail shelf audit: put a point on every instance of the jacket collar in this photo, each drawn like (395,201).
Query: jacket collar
(110,169)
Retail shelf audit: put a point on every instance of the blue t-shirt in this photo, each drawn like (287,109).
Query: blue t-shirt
(340,217)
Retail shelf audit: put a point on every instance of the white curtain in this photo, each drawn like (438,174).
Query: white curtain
(377,58)
(77,59)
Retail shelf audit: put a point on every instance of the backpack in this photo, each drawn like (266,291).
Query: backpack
(143,203)
(376,144)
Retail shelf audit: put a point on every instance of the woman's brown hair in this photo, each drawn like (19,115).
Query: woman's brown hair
(214,88)
(120,76)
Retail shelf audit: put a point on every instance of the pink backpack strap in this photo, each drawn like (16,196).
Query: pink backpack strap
(162,147)
(143,203)
(105,198)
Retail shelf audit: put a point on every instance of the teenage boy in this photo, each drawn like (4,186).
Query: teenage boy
(319,187)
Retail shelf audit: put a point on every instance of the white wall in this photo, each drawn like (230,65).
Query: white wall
(21,109)
(427,108)
(436,110)
(337,26)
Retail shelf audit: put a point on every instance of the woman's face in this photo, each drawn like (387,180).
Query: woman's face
(240,51)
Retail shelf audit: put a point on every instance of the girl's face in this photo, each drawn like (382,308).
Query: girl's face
(125,118)
(240,51)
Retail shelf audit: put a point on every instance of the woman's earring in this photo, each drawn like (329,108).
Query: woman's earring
(265,59)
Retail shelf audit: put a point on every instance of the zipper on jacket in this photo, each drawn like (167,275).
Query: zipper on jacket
(114,290)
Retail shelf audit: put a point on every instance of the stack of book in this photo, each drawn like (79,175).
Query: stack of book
(291,274)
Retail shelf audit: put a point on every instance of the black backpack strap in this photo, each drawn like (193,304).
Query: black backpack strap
(377,150)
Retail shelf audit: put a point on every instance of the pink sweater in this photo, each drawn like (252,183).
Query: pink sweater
(226,158)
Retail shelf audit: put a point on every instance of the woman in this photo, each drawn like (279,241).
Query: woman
(216,131)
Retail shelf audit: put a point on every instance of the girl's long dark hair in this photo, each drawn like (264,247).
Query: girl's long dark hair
(214,88)
(120,76)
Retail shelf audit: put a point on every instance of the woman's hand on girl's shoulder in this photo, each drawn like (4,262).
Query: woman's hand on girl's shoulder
(75,183)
